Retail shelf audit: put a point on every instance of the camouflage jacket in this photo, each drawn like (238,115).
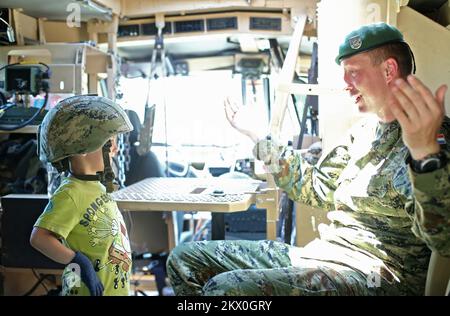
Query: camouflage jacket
(377,204)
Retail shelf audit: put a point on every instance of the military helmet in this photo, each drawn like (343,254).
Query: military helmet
(80,125)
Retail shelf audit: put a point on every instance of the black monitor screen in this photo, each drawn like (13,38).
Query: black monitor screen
(20,212)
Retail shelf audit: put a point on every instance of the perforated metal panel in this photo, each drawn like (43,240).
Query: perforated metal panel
(190,194)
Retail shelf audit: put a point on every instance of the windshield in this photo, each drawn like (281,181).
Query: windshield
(190,115)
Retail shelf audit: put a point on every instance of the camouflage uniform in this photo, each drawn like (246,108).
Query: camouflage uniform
(373,199)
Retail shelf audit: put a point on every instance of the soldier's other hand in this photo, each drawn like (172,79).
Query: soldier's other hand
(234,115)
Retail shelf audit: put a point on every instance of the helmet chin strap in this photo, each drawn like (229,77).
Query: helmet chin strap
(106,176)
(86,177)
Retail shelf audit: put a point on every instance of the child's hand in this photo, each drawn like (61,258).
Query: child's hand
(88,275)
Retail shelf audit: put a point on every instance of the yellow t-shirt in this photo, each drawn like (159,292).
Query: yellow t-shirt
(88,220)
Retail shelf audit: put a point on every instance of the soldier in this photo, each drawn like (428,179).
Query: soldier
(81,226)
(386,189)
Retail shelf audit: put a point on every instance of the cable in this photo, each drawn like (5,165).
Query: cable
(166,137)
(131,222)
(37,277)
(41,279)
(40,111)
(9,31)
(30,120)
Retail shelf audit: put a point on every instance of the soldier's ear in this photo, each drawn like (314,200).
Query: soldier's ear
(391,69)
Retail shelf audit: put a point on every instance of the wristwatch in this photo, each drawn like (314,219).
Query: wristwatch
(429,163)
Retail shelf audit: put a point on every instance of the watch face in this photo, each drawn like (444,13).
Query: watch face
(430,164)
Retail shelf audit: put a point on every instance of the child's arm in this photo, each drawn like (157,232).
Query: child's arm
(46,242)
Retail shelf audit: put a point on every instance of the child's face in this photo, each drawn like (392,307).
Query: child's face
(96,158)
(114,147)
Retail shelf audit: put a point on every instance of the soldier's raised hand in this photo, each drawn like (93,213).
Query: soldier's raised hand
(420,114)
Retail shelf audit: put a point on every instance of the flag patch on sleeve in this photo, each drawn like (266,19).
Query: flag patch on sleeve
(441,139)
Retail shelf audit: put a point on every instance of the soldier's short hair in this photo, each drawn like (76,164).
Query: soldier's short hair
(399,51)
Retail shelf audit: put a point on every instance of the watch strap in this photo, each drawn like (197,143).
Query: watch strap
(429,163)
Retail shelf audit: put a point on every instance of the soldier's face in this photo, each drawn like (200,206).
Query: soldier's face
(366,84)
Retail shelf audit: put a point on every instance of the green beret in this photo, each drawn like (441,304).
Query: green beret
(366,38)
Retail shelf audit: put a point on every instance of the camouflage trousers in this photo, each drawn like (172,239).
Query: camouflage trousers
(258,268)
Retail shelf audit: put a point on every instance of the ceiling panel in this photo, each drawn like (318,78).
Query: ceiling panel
(51,9)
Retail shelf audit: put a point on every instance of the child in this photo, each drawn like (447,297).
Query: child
(81,227)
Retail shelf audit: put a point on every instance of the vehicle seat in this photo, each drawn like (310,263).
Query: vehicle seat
(141,167)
